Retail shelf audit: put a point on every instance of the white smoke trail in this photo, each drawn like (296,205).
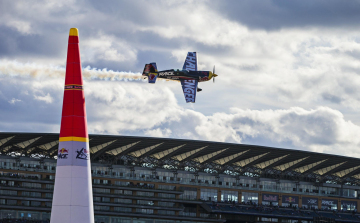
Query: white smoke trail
(14,68)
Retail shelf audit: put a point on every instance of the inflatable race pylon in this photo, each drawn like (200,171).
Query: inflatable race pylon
(72,199)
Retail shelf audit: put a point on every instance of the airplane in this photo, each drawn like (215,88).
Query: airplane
(189,76)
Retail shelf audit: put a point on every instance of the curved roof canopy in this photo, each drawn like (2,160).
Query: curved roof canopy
(198,156)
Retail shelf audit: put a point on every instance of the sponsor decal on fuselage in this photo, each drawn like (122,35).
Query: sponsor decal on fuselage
(189,90)
(73,87)
(82,154)
(152,76)
(63,153)
(190,62)
(166,73)
(203,79)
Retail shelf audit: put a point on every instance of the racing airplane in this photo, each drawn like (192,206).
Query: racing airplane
(189,76)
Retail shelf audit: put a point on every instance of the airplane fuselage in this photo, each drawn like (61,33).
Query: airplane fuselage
(176,74)
(188,76)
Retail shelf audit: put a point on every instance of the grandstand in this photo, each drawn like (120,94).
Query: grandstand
(159,180)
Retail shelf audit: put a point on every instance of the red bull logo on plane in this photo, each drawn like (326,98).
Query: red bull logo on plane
(152,76)
(63,153)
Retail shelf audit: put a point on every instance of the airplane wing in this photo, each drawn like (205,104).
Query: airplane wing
(189,88)
(190,62)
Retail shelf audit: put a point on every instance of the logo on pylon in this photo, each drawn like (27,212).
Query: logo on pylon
(63,153)
(82,154)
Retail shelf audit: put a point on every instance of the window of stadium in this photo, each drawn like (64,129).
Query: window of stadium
(31,185)
(206,179)
(166,187)
(287,186)
(145,202)
(348,205)
(248,197)
(247,182)
(121,219)
(166,204)
(165,212)
(145,194)
(13,202)
(143,220)
(185,177)
(190,193)
(349,193)
(101,190)
(164,221)
(121,172)
(228,181)
(329,190)
(122,183)
(163,195)
(268,185)
(122,200)
(143,174)
(144,211)
(122,209)
(50,186)
(307,188)
(230,196)
(165,176)
(208,194)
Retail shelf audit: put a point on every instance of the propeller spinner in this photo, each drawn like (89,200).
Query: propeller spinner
(212,74)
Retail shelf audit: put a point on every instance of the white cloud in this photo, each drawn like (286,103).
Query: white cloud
(14,100)
(158,133)
(107,48)
(153,110)
(21,26)
(46,98)
(292,86)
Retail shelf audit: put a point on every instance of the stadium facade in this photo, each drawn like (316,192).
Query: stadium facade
(158,180)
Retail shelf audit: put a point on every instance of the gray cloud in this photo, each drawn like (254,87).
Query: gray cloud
(277,61)
(273,15)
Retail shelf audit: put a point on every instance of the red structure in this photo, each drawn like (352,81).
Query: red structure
(72,198)
(73,122)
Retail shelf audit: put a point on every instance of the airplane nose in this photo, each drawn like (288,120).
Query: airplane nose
(211,75)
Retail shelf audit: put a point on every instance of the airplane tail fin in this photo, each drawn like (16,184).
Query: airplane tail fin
(150,71)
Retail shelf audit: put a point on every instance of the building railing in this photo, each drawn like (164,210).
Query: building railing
(206,183)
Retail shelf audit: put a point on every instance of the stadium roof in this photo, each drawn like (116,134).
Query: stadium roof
(198,156)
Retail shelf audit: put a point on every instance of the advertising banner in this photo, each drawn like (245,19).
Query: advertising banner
(310,201)
(290,199)
(344,204)
(328,202)
(270,197)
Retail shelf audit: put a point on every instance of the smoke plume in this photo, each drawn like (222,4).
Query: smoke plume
(14,68)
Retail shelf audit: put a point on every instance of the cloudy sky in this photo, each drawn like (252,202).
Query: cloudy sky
(289,71)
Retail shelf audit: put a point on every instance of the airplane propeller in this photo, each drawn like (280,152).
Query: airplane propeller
(214,75)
